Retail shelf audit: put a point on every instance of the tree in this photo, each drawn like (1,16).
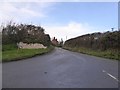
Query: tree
(25,33)
(96,41)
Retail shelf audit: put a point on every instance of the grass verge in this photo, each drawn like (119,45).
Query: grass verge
(17,54)
(110,54)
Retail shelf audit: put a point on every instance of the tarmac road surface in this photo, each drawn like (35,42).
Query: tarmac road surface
(61,69)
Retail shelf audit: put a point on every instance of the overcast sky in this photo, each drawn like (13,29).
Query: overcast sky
(63,19)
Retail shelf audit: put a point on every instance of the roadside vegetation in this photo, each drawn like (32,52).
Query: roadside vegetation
(111,54)
(18,54)
(15,33)
(98,44)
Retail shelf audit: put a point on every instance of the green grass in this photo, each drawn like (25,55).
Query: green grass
(0,56)
(111,54)
(0,53)
(9,47)
(17,54)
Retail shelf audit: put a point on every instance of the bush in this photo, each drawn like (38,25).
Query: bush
(96,41)
(24,33)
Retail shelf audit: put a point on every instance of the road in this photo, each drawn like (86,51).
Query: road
(61,69)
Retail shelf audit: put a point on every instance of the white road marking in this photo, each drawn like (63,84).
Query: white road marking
(111,75)
(103,71)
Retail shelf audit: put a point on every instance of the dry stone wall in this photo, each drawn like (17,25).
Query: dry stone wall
(30,46)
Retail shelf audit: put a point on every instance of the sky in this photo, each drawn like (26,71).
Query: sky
(63,19)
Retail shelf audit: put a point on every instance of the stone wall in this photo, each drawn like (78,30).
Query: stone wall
(30,46)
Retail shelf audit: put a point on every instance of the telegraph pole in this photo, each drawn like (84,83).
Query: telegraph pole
(112,29)
(66,37)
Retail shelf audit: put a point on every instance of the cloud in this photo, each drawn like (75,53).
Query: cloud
(23,11)
(60,0)
(71,30)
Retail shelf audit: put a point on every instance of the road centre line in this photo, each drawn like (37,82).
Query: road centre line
(110,75)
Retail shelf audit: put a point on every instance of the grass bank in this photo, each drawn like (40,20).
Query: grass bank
(17,54)
(110,54)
